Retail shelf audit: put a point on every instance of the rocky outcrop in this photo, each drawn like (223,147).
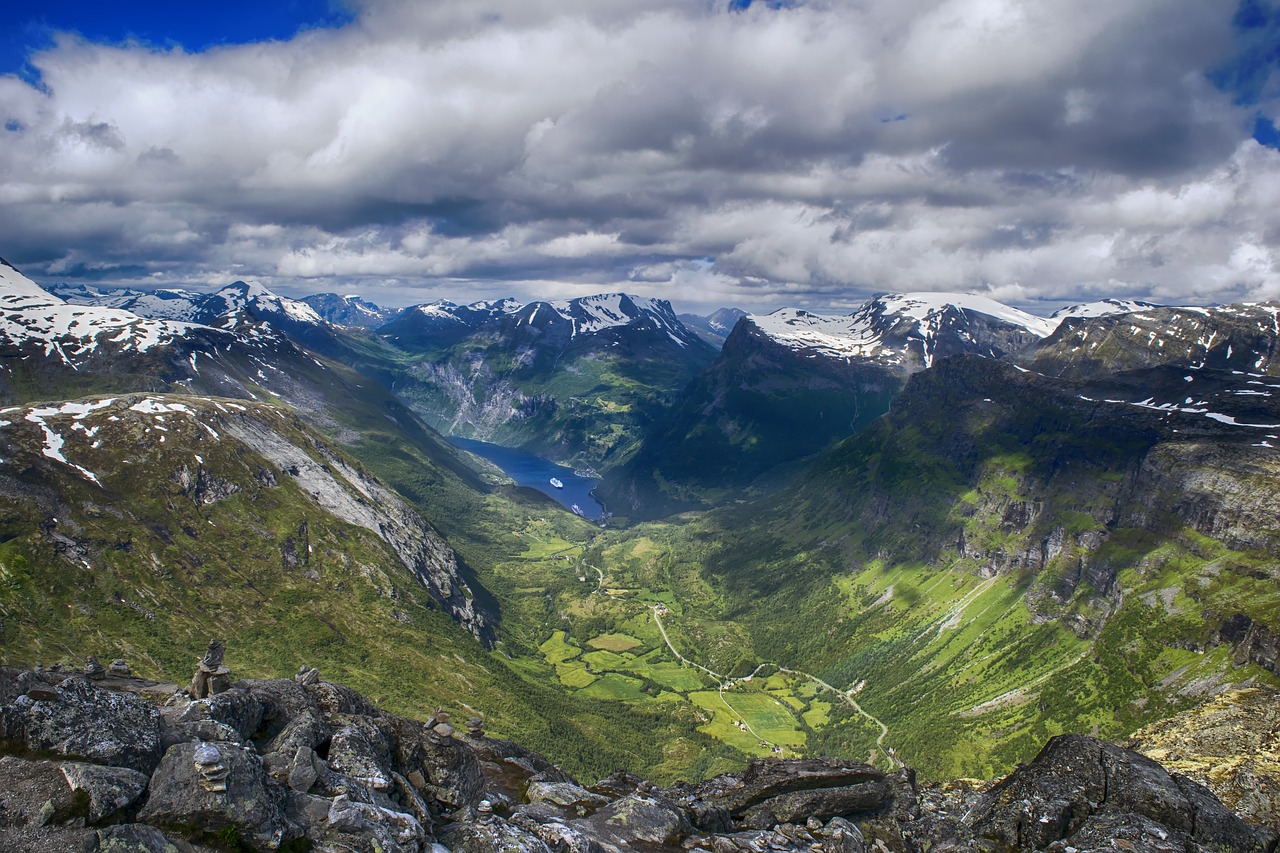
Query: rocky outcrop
(354,495)
(313,765)
(1088,793)
(1231,745)
(76,719)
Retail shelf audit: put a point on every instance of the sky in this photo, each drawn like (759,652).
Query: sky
(712,152)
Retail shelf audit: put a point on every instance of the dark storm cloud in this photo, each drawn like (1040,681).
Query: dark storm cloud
(806,152)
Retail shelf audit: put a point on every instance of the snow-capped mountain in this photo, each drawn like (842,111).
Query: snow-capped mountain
(435,323)
(236,342)
(349,310)
(443,322)
(242,303)
(182,305)
(908,330)
(248,310)
(608,312)
(239,307)
(562,320)
(573,379)
(31,318)
(714,327)
(1101,308)
(1243,337)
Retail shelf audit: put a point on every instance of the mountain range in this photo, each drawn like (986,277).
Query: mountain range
(938,527)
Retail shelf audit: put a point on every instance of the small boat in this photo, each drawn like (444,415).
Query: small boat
(577,510)
(556,483)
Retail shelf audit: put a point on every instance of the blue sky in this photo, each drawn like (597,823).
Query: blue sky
(714,153)
(30,25)
(1250,73)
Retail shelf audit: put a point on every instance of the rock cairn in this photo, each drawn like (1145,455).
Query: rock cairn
(211,677)
(93,669)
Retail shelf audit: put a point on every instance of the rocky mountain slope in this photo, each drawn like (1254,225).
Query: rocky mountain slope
(1031,553)
(575,381)
(760,405)
(241,342)
(237,519)
(791,383)
(1230,337)
(92,764)
(349,310)
(1230,744)
(195,463)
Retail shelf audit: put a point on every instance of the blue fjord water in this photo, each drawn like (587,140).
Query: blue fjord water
(536,473)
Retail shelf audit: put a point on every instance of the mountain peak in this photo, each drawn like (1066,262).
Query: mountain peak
(1101,308)
(926,304)
(242,295)
(908,330)
(34,317)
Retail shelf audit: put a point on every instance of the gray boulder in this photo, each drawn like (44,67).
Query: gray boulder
(238,709)
(562,837)
(362,751)
(282,700)
(340,699)
(352,825)
(573,800)
(766,779)
(110,789)
(304,729)
(639,817)
(186,793)
(131,838)
(88,723)
(1077,781)
(492,835)
(39,813)
(446,769)
(822,803)
(841,836)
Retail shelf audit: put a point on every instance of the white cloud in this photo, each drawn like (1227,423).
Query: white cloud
(1033,149)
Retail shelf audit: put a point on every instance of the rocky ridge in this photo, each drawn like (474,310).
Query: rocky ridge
(791,383)
(103,761)
(574,380)
(1230,744)
(199,452)
(908,331)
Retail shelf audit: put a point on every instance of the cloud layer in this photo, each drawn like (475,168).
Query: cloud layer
(1035,150)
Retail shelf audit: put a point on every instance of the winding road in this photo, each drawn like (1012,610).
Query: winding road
(723,682)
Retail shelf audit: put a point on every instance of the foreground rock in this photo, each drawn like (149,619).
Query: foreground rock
(302,763)
(1231,745)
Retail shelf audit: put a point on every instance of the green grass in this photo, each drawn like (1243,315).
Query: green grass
(770,718)
(680,679)
(818,714)
(559,649)
(723,725)
(614,642)
(618,687)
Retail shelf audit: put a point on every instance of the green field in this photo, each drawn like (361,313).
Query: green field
(768,717)
(614,642)
(613,685)
(679,678)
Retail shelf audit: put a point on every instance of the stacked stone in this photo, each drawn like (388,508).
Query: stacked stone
(211,677)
